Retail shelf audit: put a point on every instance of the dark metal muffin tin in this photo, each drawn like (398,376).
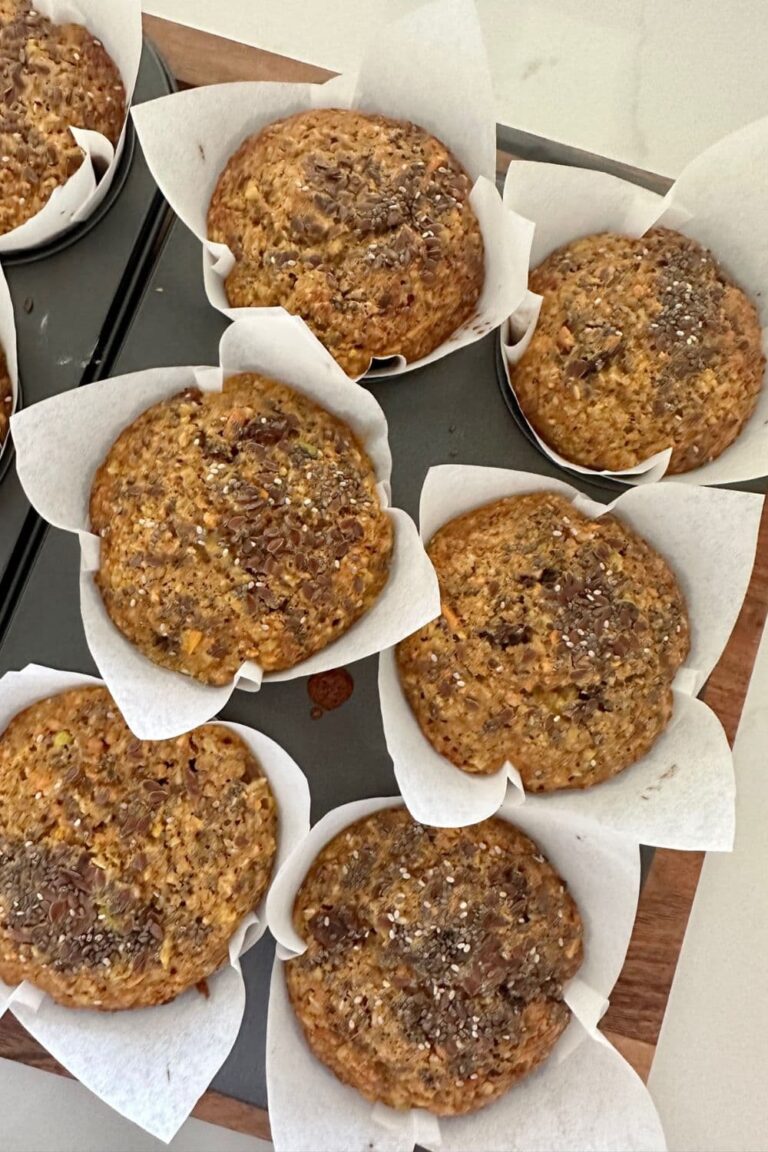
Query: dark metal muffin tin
(450,411)
(72,298)
(611,488)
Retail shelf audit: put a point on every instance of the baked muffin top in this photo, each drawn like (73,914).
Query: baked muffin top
(125,866)
(556,647)
(52,77)
(6,398)
(359,224)
(238,525)
(641,345)
(436,959)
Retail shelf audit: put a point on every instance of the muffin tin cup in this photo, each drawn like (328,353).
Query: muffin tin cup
(8,345)
(117,23)
(598,479)
(718,200)
(76,231)
(681,794)
(61,442)
(441,82)
(149,1063)
(561,1105)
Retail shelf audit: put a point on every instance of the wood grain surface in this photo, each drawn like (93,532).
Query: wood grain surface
(197,58)
(639,999)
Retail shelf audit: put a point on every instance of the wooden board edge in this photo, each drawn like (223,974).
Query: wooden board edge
(197,58)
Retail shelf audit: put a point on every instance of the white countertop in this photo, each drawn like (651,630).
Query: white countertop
(40,1112)
(646,82)
(708,1078)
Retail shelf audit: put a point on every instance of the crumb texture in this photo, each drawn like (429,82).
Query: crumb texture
(436,960)
(238,525)
(642,344)
(359,224)
(556,647)
(53,77)
(125,866)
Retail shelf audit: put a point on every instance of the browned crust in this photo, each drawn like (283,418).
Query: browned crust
(435,963)
(556,647)
(241,525)
(641,345)
(359,224)
(125,866)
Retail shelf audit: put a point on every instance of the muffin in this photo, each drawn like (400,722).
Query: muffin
(54,77)
(641,345)
(556,647)
(6,399)
(125,866)
(436,960)
(238,525)
(359,224)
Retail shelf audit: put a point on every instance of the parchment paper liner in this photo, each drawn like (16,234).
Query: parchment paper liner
(681,794)
(117,23)
(61,442)
(441,82)
(585,1097)
(152,1064)
(719,200)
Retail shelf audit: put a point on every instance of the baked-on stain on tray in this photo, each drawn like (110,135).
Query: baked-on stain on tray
(329,690)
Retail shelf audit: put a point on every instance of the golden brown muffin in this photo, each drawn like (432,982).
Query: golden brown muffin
(6,399)
(125,865)
(52,77)
(641,345)
(360,225)
(436,959)
(556,648)
(240,525)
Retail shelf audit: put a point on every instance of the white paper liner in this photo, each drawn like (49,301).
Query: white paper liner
(719,200)
(152,1064)
(562,1106)
(117,23)
(61,442)
(681,794)
(8,345)
(441,82)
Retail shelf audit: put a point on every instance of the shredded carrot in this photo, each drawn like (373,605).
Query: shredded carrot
(450,616)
